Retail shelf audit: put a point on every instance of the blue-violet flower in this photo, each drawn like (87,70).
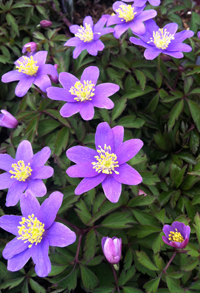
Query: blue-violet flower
(7,120)
(29,49)
(177,235)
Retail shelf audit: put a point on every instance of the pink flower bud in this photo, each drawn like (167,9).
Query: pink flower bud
(29,48)
(54,78)
(45,23)
(112,248)
(7,120)
(140,192)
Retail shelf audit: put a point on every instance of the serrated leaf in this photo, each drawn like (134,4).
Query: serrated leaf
(152,285)
(46,126)
(141,200)
(89,279)
(197,225)
(145,261)
(119,107)
(188,81)
(195,112)
(141,78)
(70,282)
(173,287)
(83,212)
(11,283)
(12,22)
(131,290)
(126,276)
(119,220)
(175,113)
(36,287)
(191,266)
(61,141)
(90,245)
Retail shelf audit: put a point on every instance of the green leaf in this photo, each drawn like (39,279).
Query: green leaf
(195,285)
(131,290)
(36,287)
(11,283)
(90,245)
(188,81)
(119,107)
(152,105)
(158,243)
(192,250)
(131,122)
(197,225)
(56,270)
(126,276)
(175,113)
(145,261)
(61,141)
(173,287)
(83,212)
(103,289)
(38,36)
(152,285)
(114,76)
(89,279)
(149,178)
(70,282)
(138,92)
(47,126)
(141,200)
(177,174)
(128,259)
(55,114)
(141,78)
(12,22)
(119,220)
(191,266)
(194,141)
(4,273)
(145,218)
(195,112)
(145,230)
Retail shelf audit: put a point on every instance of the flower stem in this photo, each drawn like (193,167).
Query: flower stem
(78,248)
(171,259)
(115,276)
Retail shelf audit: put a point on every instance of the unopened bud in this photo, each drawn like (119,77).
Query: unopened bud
(45,23)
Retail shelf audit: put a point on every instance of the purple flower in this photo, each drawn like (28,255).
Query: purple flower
(31,70)
(29,48)
(7,120)
(141,3)
(106,165)
(82,95)
(129,16)
(24,172)
(177,235)
(35,231)
(198,34)
(164,40)
(87,36)
(45,23)
(54,78)
(112,248)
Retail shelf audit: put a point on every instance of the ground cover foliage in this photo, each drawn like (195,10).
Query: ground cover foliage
(158,102)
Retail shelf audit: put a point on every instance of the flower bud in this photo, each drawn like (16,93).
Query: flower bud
(198,34)
(140,192)
(29,48)
(7,120)
(45,23)
(112,248)
(54,78)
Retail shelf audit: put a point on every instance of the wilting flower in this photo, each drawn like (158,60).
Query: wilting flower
(129,16)
(112,248)
(24,172)
(29,48)
(31,70)
(87,36)
(45,23)
(163,40)
(177,235)
(35,231)
(7,120)
(54,78)
(141,3)
(106,165)
(82,95)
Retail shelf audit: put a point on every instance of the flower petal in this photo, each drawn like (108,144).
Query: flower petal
(112,188)
(67,80)
(41,259)
(74,28)
(87,111)
(91,73)
(105,90)
(152,53)
(105,103)
(178,47)
(37,187)
(80,154)
(24,152)
(5,180)
(88,20)
(79,48)
(49,208)
(57,94)
(43,82)
(167,229)
(18,261)
(40,57)
(6,162)
(120,29)
(138,27)
(70,109)
(40,158)
(128,150)
(60,235)
(89,183)
(180,37)
(73,42)
(12,76)
(174,54)
(82,170)
(114,19)
(24,85)
(127,175)
(147,14)
(43,172)
(100,23)
(118,134)
(14,247)
(29,204)
(104,136)
(47,69)
(14,192)
(10,223)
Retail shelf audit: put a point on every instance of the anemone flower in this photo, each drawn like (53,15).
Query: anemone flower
(7,120)
(83,95)
(112,249)
(35,231)
(24,172)
(107,164)
(177,235)
(129,16)
(31,70)
(163,40)
(87,36)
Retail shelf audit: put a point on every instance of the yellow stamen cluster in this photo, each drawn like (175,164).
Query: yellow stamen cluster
(162,38)
(83,92)
(21,171)
(106,161)
(85,34)
(126,12)
(175,236)
(28,66)
(31,230)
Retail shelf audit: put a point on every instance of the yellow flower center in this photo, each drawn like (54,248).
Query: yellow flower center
(106,161)
(161,38)
(85,34)
(126,12)
(27,66)
(175,236)
(21,172)
(83,92)
(31,229)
